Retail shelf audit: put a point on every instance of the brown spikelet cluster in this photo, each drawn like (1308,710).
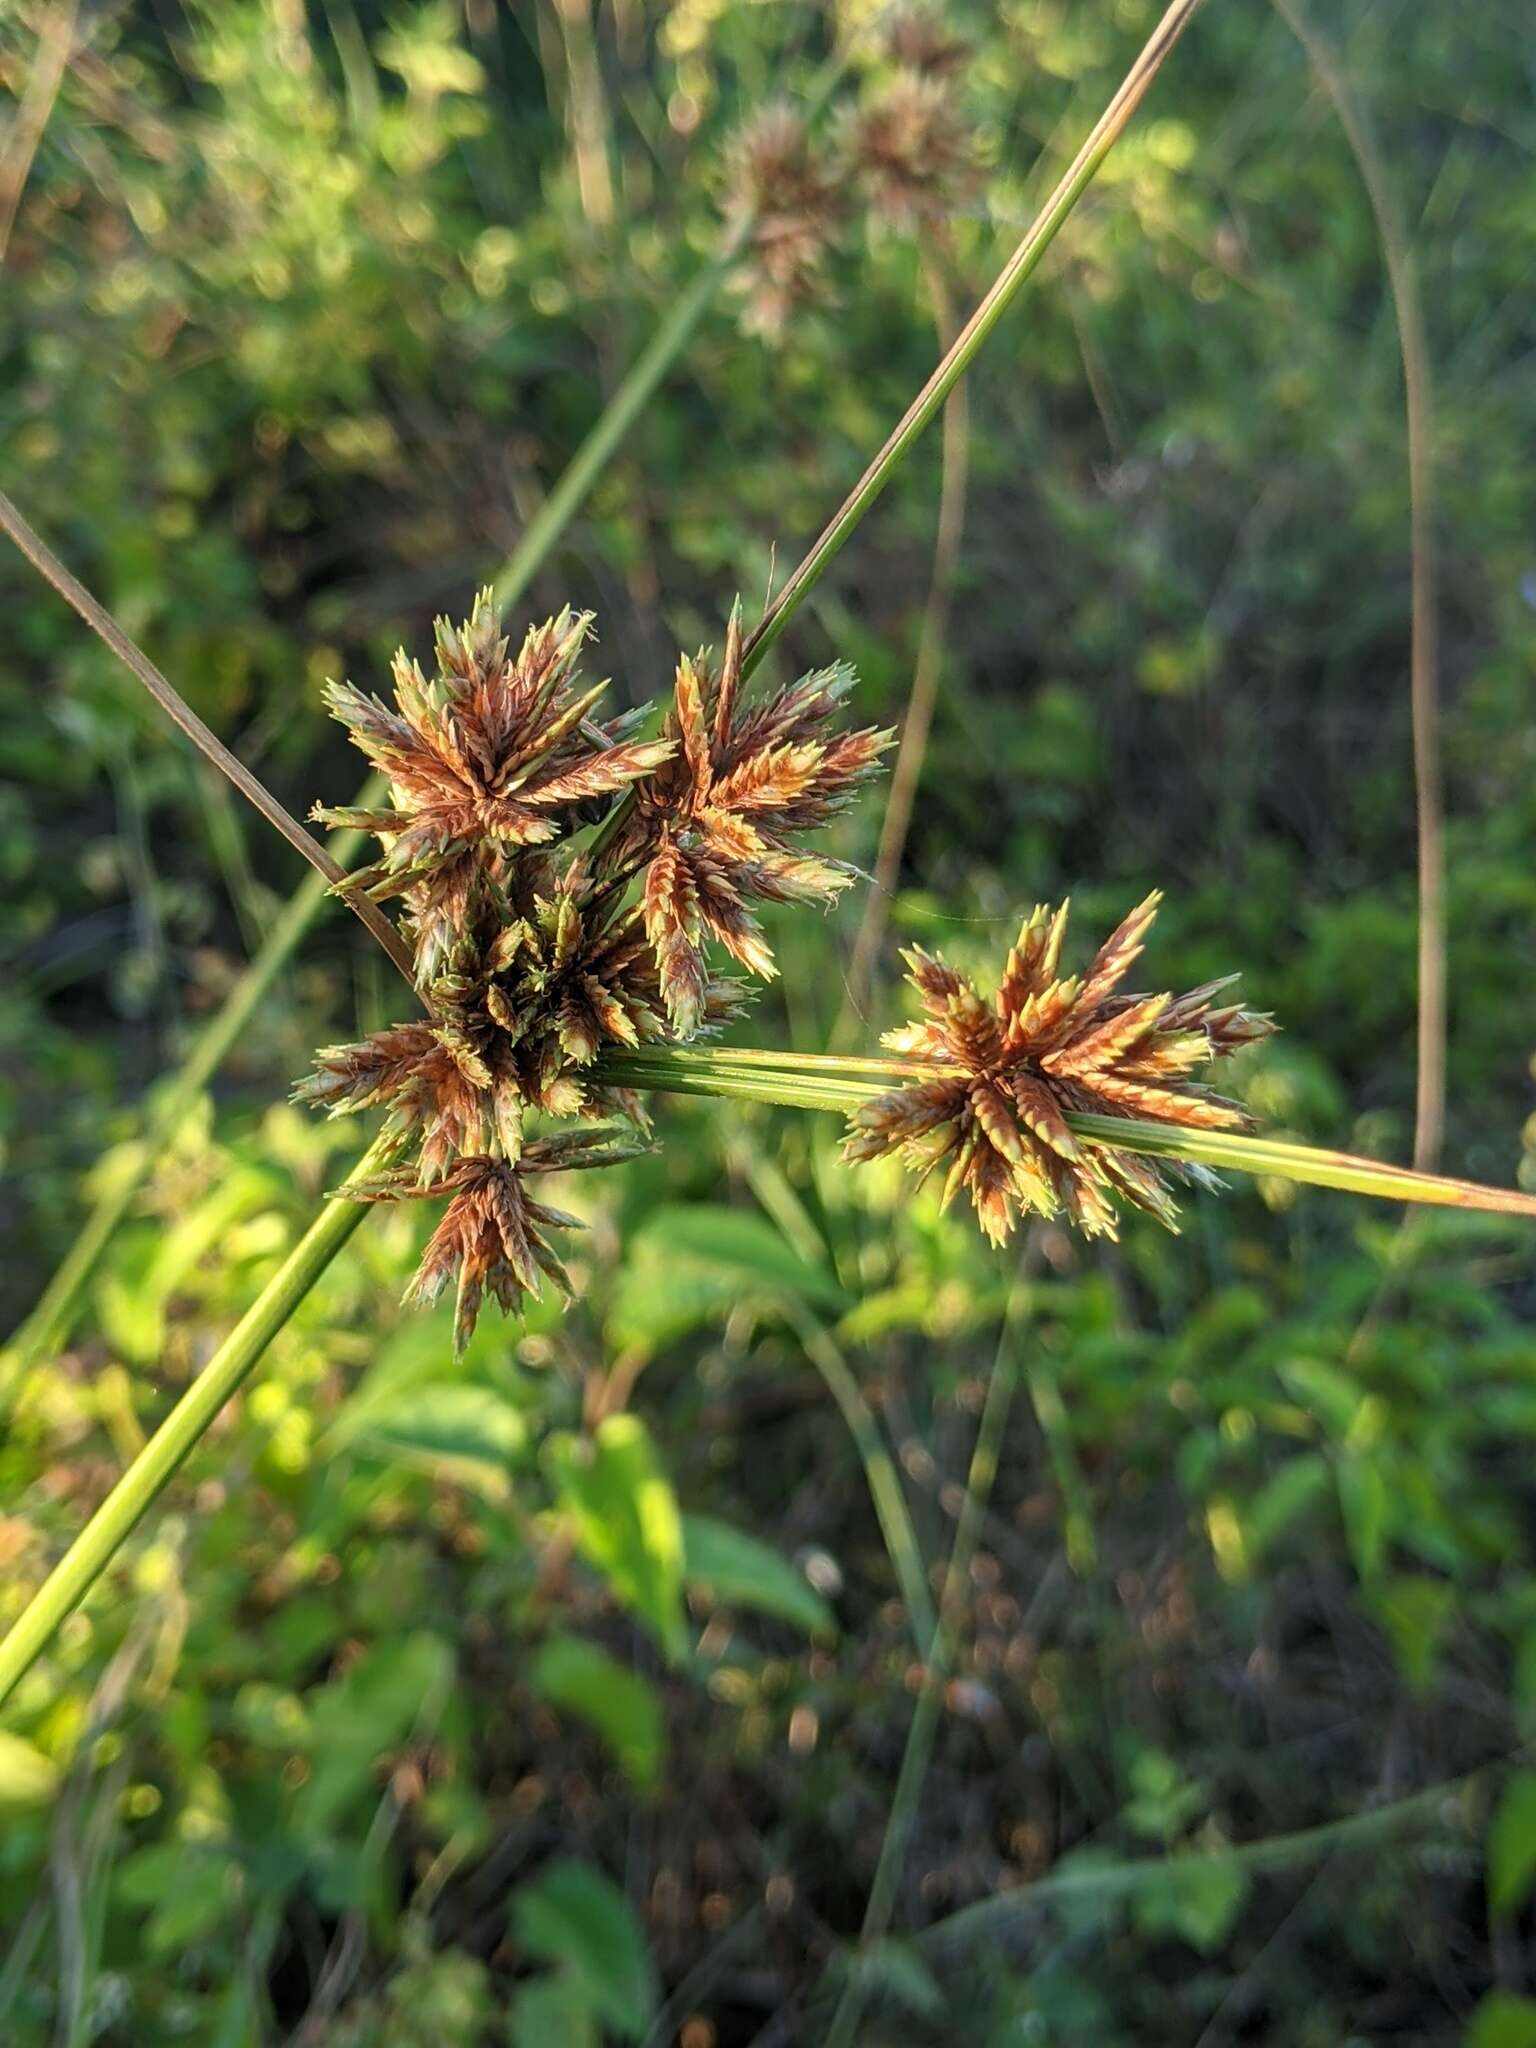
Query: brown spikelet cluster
(906,149)
(489,755)
(910,145)
(537,950)
(789,204)
(920,41)
(1007,1075)
(720,823)
(493,1234)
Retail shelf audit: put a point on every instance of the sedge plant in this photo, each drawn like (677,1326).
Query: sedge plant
(571,892)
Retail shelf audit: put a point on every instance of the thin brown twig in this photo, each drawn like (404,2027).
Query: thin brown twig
(1423,659)
(102,623)
(54,43)
(911,754)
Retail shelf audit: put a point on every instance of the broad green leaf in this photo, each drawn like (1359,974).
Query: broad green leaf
(186,1888)
(893,1970)
(194,1911)
(1293,1489)
(1332,1396)
(627,1520)
(744,1243)
(657,1300)
(1196,1898)
(357,1718)
(621,1705)
(693,1262)
(1416,1610)
(1367,1510)
(742,1572)
(1164,1801)
(466,1432)
(576,1917)
(1503,2020)
(271,1715)
(27,1777)
(554,2009)
(1512,1845)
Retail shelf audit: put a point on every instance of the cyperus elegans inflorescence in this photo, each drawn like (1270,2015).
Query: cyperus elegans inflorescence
(1007,1074)
(536,951)
(545,953)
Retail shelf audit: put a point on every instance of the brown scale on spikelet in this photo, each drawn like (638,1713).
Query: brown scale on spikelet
(489,755)
(534,986)
(494,1235)
(715,826)
(430,1099)
(1007,1074)
(790,203)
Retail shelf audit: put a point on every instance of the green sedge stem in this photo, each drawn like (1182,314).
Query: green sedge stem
(708,1058)
(958,358)
(988,1919)
(125,1506)
(760,1077)
(940,1661)
(207,742)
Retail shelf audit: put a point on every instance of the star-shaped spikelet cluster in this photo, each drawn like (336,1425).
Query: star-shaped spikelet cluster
(491,754)
(906,150)
(721,823)
(1006,1077)
(494,1236)
(534,953)
(911,145)
(787,204)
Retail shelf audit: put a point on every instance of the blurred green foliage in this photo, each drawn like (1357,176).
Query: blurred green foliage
(558,1696)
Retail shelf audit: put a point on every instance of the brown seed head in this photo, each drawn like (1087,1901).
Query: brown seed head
(1007,1074)
(718,825)
(493,1234)
(791,205)
(490,755)
(911,145)
(919,41)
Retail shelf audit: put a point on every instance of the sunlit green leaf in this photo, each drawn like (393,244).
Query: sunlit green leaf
(742,1572)
(458,1431)
(1196,1898)
(620,1704)
(1503,2020)
(576,1917)
(357,1718)
(27,1776)
(693,1263)
(627,1519)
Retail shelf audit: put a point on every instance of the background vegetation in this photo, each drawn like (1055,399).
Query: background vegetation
(406,1722)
